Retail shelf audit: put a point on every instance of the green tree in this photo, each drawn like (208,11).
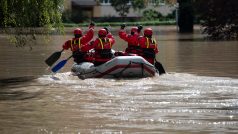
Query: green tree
(24,16)
(123,6)
(138,4)
(219,18)
(150,15)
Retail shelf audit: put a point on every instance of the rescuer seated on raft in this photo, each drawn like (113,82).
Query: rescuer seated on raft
(76,43)
(131,39)
(148,46)
(102,47)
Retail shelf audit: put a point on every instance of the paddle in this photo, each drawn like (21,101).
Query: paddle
(53,58)
(60,65)
(159,67)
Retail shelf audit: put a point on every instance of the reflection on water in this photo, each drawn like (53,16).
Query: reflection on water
(191,98)
(7,91)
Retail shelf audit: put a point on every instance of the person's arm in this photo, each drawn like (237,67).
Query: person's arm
(112,40)
(122,33)
(89,35)
(89,46)
(142,42)
(140,27)
(67,45)
(156,48)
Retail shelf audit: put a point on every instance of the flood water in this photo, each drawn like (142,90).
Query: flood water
(197,95)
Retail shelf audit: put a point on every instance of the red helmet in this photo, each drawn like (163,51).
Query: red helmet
(134,29)
(102,32)
(77,31)
(148,32)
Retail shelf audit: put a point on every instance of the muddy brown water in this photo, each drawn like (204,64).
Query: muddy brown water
(197,95)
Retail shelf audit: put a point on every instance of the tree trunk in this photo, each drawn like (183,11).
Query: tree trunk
(185,16)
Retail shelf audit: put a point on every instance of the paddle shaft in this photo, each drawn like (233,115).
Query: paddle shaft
(69,57)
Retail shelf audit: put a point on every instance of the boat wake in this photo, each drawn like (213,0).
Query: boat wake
(175,101)
(182,80)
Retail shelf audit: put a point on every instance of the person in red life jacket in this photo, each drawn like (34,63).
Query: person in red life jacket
(77,42)
(102,46)
(132,39)
(148,46)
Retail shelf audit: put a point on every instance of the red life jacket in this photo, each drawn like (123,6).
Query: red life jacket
(150,43)
(103,51)
(149,49)
(75,44)
(103,44)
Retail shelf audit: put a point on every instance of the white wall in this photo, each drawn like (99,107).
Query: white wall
(107,10)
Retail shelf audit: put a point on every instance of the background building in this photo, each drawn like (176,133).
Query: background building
(96,9)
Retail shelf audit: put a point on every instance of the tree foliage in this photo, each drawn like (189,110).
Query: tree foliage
(150,14)
(219,18)
(30,13)
(138,4)
(23,16)
(123,6)
(153,15)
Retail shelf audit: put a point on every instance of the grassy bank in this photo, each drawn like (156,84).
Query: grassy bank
(144,23)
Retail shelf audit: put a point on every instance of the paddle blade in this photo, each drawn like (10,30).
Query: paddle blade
(59,66)
(159,67)
(53,58)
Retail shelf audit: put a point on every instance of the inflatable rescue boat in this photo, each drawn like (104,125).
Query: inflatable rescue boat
(118,67)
